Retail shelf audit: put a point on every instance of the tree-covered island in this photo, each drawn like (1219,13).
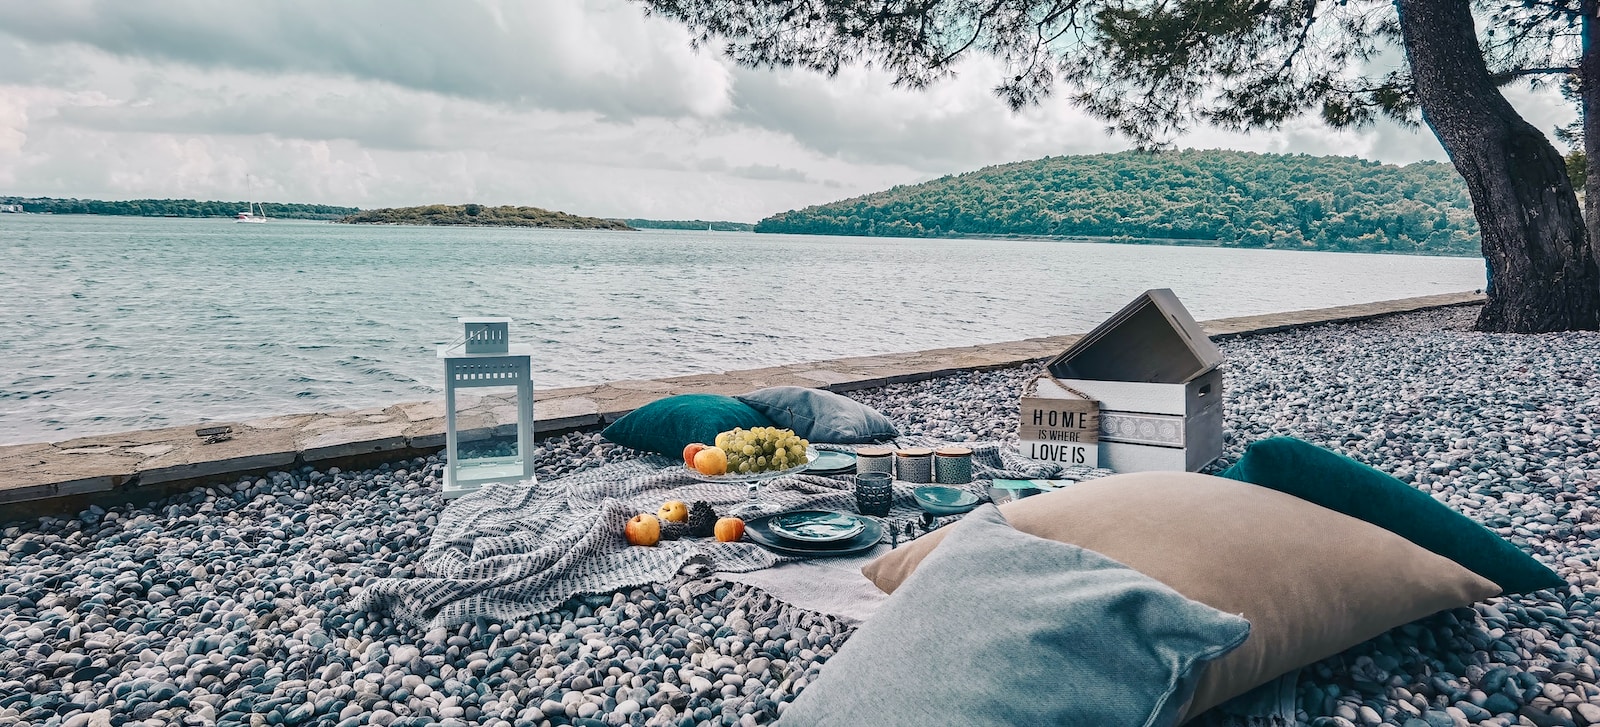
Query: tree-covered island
(1221,198)
(174,208)
(477,215)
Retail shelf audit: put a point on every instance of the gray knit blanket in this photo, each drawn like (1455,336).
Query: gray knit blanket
(510,551)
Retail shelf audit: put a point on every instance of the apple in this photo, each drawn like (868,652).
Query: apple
(690,451)
(729,529)
(674,511)
(711,461)
(643,529)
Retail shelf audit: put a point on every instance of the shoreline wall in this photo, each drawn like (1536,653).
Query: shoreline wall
(50,478)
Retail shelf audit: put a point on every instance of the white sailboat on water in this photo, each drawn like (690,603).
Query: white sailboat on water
(249,214)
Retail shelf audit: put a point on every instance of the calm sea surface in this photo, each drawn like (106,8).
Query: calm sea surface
(115,323)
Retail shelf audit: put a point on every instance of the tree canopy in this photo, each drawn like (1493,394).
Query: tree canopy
(174,208)
(477,215)
(1226,198)
(1148,68)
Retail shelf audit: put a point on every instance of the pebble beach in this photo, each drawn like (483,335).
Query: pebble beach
(228,605)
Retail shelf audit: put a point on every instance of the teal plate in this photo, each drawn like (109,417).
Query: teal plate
(757,531)
(938,500)
(829,463)
(817,526)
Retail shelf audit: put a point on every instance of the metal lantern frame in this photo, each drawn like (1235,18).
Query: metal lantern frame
(485,357)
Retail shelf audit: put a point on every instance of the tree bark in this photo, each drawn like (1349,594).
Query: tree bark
(1589,93)
(1546,274)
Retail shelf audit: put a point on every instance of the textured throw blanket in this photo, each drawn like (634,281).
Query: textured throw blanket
(509,551)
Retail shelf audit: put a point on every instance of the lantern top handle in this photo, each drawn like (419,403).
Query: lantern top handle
(485,335)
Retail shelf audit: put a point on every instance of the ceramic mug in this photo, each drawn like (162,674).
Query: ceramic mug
(875,459)
(952,466)
(914,465)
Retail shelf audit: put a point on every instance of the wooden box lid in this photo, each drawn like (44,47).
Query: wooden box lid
(1151,340)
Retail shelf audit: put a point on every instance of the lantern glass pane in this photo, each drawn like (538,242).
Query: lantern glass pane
(488,442)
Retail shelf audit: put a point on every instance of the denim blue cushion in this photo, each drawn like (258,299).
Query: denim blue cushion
(998,627)
(821,416)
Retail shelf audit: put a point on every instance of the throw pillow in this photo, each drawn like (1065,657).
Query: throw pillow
(1339,483)
(1311,581)
(668,425)
(821,416)
(999,627)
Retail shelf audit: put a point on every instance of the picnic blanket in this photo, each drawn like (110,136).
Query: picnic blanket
(509,551)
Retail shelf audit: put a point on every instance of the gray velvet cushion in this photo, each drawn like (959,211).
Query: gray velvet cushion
(998,627)
(821,416)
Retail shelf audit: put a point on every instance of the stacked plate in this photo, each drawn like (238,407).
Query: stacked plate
(829,463)
(815,533)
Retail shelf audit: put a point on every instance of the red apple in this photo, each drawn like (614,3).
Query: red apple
(643,529)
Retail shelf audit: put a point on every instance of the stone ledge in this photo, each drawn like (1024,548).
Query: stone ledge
(33,476)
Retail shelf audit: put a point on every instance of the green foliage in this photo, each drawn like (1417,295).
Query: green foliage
(718,225)
(1224,198)
(1149,69)
(173,208)
(473,215)
(1577,169)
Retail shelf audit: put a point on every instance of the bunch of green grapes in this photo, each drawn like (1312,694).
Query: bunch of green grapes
(762,449)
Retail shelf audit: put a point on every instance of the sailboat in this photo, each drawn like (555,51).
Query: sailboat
(249,215)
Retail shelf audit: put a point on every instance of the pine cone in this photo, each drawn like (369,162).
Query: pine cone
(672,531)
(702,520)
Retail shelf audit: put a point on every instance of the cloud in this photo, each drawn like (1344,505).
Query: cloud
(769,172)
(583,105)
(600,56)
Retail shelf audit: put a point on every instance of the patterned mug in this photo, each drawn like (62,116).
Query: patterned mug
(952,466)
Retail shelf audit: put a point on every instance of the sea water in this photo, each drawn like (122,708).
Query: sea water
(116,323)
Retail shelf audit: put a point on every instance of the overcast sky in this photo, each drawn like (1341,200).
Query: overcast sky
(586,106)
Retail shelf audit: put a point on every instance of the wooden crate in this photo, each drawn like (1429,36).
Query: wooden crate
(1158,380)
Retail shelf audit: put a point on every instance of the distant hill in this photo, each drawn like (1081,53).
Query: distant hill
(1223,198)
(173,208)
(475,215)
(716,225)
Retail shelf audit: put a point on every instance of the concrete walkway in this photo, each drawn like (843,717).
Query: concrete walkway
(61,476)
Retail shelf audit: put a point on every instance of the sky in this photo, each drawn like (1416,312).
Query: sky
(586,106)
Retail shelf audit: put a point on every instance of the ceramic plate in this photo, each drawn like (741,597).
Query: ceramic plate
(811,456)
(817,526)
(756,529)
(939,500)
(830,462)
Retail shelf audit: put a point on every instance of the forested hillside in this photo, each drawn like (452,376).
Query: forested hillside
(173,208)
(477,215)
(1227,198)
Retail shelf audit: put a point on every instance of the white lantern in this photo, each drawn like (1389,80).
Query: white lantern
(486,358)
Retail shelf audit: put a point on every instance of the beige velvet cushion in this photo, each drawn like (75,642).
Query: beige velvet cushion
(1311,581)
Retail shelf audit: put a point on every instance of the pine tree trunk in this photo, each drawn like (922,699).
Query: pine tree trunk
(1589,92)
(1546,275)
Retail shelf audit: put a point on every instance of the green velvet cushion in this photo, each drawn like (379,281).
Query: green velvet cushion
(1339,483)
(668,425)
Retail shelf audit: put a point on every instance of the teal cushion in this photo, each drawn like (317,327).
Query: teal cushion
(998,627)
(668,425)
(1339,483)
(822,416)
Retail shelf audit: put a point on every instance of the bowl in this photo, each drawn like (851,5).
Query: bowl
(937,500)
